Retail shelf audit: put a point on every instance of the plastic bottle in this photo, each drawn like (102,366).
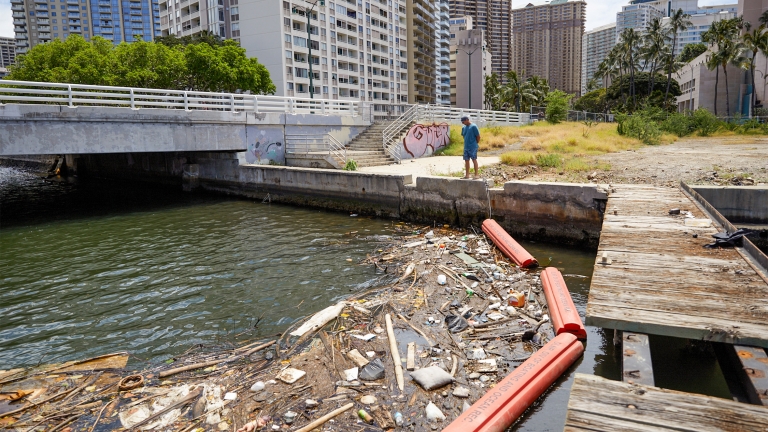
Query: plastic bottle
(365,416)
(516,299)
(399,420)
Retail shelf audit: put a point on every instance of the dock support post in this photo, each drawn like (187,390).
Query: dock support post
(636,359)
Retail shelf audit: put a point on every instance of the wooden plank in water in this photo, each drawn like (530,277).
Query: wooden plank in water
(598,404)
(636,367)
(661,280)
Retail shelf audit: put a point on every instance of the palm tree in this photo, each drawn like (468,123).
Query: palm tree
(678,21)
(723,38)
(755,41)
(534,91)
(629,40)
(654,45)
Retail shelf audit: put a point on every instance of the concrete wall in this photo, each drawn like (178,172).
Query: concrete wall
(738,204)
(52,129)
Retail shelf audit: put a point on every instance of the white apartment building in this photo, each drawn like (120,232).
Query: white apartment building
(637,15)
(192,17)
(7,52)
(358,49)
(443,57)
(595,46)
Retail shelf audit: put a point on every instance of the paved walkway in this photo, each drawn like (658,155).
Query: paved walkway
(427,166)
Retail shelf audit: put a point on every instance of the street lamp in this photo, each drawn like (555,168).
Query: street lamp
(470,69)
(309,44)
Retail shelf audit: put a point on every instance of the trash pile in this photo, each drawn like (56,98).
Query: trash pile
(454,318)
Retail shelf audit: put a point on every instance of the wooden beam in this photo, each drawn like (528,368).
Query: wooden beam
(636,359)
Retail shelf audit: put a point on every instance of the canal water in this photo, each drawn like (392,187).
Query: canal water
(88,268)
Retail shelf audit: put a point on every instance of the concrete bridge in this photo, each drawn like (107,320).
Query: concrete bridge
(70,119)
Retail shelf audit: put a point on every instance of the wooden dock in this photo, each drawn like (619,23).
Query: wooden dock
(661,280)
(598,404)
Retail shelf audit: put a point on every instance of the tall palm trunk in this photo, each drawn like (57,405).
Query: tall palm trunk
(632,79)
(752,75)
(669,68)
(717,80)
(727,95)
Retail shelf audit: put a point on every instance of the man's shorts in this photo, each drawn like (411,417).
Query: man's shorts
(470,153)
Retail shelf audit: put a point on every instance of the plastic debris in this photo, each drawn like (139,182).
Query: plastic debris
(432,377)
(290,375)
(372,371)
(258,386)
(434,413)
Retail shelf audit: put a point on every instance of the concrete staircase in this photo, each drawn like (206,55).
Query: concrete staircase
(366,148)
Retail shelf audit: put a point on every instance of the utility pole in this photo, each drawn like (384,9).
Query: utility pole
(469,54)
(309,45)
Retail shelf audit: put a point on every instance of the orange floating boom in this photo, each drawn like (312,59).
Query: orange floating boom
(565,317)
(507,245)
(503,404)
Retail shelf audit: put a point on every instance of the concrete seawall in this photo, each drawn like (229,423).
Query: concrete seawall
(557,212)
(738,204)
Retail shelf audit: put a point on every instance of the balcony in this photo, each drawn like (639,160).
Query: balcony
(75,29)
(19,21)
(21,44)
(17,8)
(21,2)
(44,35)
(44,28)
(19,15)
(20,30)
(21,36)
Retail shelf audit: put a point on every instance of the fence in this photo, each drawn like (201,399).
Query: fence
(74,95)
(539,113)
(318,144)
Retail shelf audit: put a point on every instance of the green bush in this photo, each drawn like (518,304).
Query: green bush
(643,125)
(705,122)
(557,106)
(549,160)
(761,112)
(750,126)
(679,124)
(351,165)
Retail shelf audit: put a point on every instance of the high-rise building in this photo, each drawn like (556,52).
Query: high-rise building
(494,18)
(7,51)
(192,17)
(443,59)
(471,61)
(637,15)
(358,49)
(547,42)
(39,21)
(421,18)
(595,46)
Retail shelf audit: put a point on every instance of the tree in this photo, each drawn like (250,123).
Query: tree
(492,92)
(755,41)
(593,101)
(654,47)
(192,64)
(628,41)
(678,21)
(723,38)
(536,89)
(557,106)
(690,52)
(204,36)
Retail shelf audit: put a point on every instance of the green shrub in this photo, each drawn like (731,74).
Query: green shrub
(351,165)
(549,160)
(750,126)
(557,106)
(679,124)
(643,125)
(761,112)
(705,122)
(518,158)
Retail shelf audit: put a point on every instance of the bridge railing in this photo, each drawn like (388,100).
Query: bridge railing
(74,95)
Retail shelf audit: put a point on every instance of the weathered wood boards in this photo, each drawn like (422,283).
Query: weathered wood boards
(598,404)
(661,280)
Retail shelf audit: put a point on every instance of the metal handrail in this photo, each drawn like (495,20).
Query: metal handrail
(394,129)
(74,95)
(318,143)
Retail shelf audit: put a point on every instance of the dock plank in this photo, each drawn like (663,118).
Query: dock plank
(661,280)
(599,404)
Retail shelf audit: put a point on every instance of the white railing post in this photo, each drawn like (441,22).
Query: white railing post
(290,106)
(69,95)
(133,103)
(232,101)
(186,102)
(255,104)
(322,106)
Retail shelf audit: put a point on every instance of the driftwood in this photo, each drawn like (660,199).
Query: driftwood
(395,353)
(189,398)
(246,354)
(321,421)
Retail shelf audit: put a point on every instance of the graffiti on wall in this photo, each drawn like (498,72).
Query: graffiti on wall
(423,140)
(265,146)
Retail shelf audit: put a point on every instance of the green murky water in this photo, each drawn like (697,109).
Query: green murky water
(93,267)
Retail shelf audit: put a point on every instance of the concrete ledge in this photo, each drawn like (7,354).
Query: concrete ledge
(738,204)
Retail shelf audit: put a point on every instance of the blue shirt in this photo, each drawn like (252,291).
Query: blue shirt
(470,134)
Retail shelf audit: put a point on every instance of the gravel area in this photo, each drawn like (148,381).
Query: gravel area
(736,160)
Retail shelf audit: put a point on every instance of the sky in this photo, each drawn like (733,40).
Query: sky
(599,12)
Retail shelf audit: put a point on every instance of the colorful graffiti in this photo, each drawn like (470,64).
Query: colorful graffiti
(423,140)
(266,148)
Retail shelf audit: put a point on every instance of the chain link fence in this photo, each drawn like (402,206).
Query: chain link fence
(539,113)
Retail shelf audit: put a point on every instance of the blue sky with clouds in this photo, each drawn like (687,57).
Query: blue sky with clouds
(599,12)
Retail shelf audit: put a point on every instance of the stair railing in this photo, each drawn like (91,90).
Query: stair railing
(395,129)
(302,144)
(336,149)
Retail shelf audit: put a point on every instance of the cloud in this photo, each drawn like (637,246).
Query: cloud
(6,20)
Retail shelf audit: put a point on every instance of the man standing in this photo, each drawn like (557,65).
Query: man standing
(471,135)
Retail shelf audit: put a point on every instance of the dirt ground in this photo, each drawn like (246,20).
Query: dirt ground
(736,160)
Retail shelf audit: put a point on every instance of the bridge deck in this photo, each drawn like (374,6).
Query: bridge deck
(598,404)
(663,281)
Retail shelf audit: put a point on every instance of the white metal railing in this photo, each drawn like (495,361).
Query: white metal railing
(453,115)
(394,130)
(74,95)
(318,144)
